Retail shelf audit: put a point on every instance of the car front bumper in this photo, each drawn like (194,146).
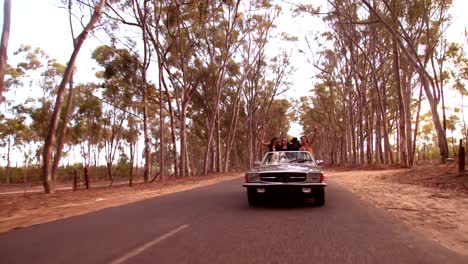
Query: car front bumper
(291,189)
(279,184)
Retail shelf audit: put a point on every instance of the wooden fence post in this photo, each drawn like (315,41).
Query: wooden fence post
(75,180)
(461,157)
(86,177)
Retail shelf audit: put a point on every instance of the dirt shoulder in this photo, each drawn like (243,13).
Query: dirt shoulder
(22,210)
(433,199)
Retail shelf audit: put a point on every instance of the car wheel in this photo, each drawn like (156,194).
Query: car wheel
(253,198)
(320,197)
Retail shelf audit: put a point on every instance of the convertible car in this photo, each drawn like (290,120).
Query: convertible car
(284,174)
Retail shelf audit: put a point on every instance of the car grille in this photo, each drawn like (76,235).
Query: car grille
(283,177)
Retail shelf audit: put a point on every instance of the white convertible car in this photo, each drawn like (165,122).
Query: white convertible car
(286,172)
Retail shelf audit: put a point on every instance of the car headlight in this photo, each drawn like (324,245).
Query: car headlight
(252,177)
(315,177)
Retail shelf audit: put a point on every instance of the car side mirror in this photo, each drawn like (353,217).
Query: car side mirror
(319,162)
(257,163)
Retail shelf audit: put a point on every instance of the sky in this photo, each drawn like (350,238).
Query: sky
(44,24)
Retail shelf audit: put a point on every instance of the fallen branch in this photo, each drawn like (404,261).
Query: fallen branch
(155,176)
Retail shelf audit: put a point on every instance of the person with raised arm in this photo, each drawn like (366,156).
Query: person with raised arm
(306,144)
(272,145)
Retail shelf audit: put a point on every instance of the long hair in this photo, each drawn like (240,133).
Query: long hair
(272,142)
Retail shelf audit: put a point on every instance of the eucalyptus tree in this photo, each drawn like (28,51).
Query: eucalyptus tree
(37,72)
(399,30)
(374,68)
(14,133)
(95,9)
(177,37)
(131,139)
(453,123)
(86,129)
(121,79)
(40,74)
(459,70)
(138,14)
(232,109)
(261,77)
(458,74)
(219,48)
(4,44)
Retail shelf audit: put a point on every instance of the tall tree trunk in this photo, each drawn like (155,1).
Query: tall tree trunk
(401,108)
(353,135)
(147,147)
(218,143)
(213,126)
(250,139)
(52,128)
(209,147)
(442,140)
(213,156)
(144,87)
(370,138)
(7,169)
(4,44)
(132,157)
(232,131)
(188,167)
(162,152)
(183,139)
(63,129)
(173,128)
(378,135)
(141,14)
(409,132)
(342,160)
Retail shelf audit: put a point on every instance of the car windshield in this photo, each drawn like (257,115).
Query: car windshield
(280,157)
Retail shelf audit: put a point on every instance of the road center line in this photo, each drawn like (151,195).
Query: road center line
(151,243)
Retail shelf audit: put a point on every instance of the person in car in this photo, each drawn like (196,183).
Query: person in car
(272,145)
(284,145)
(306,145)
(295,145)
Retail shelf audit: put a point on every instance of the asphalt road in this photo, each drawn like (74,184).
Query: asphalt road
(214,224)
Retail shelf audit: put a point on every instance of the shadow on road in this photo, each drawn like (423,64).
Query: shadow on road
(287,203)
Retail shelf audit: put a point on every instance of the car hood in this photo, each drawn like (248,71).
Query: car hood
(289,167)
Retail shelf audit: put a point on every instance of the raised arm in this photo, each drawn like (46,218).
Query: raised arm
(312,135)
(261,140)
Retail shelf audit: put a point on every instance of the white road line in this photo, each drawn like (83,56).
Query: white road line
(151,243)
